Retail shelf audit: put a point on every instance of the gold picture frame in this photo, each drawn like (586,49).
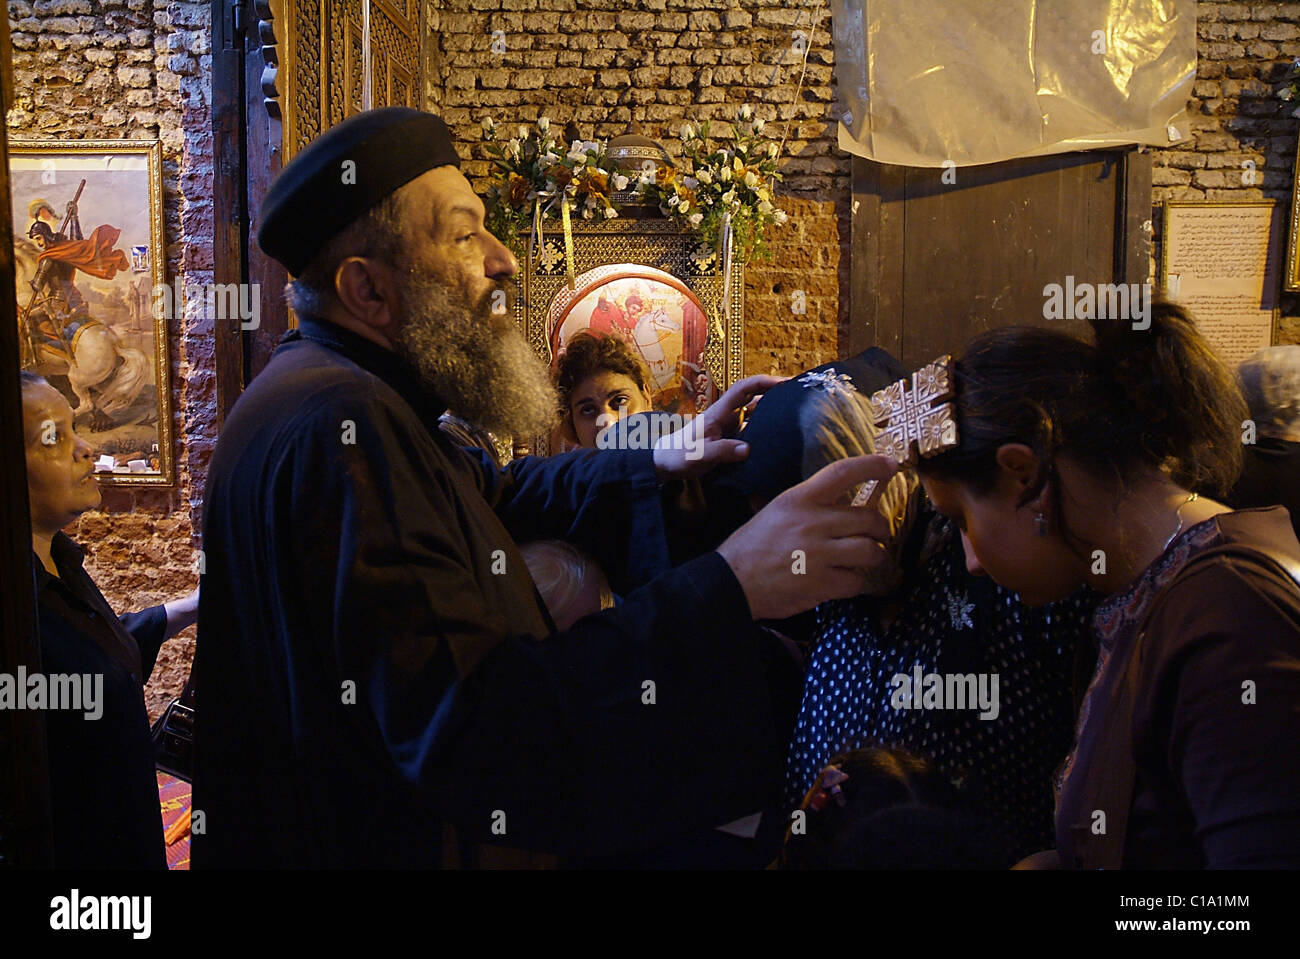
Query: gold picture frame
(669,263)
(1291,277)
(92,319)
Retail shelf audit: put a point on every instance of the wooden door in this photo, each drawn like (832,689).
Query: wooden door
(937,259)
(283,72)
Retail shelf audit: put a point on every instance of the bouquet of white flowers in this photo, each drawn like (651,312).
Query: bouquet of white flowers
(726,183)
(533,175)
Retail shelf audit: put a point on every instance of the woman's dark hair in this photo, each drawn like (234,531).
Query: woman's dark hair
(1133,400)
(899,812)
(590,353)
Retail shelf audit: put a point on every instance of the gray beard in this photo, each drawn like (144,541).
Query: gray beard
(476,361)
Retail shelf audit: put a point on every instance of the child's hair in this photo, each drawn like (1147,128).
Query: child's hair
(1271,381)
(590,353)
(837,424)
(563,574)
(889,810)
(1155,398)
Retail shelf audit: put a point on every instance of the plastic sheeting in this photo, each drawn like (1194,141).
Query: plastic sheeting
(924,82)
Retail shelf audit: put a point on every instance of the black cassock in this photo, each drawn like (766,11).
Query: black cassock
(373,658)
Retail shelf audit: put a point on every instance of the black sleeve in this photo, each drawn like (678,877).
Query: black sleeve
(644,722)
(149,630)
(605,501)
(638,723)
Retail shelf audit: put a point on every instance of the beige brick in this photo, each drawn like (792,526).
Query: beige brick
(613,78)
(1207,179)
(1279,31)
(650,77)
(673,56)
(1223,51)
(682,76)
(598,58)
(737,56)
(635,21)
(528,79)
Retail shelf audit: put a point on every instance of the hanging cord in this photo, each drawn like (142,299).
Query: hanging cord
(367,83)
(803,72)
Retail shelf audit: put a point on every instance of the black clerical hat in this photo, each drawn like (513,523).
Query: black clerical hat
(774,433)
(343,173)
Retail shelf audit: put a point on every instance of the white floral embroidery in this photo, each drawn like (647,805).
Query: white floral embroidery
(959,610)
(828,380)
(551,256)
(703,256)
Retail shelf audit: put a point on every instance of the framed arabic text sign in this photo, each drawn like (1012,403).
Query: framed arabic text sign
(1221,260)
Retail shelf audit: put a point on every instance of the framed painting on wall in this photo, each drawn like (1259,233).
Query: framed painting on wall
(656,315)
(652,286)
(88,263)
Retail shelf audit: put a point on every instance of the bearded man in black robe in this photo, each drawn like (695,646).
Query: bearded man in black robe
(375,661)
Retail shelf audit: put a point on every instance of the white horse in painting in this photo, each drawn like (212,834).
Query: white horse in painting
(105,375)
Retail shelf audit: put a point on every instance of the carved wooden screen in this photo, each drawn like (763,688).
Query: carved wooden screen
(320,49)
(284,71)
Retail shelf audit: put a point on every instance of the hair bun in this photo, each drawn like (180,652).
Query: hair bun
(1135,358)
(1176,397)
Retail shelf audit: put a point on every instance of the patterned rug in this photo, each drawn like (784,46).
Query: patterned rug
(174,795)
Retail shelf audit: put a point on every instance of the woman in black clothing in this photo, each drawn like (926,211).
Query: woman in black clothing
(103,790)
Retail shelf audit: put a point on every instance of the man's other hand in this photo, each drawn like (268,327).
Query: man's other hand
(709,439)
(803,548)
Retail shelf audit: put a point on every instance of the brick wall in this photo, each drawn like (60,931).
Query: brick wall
(141,68)
(138,69)
(603,63)
(1244,51)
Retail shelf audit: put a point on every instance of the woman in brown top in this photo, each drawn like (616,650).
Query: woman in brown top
(1082,463)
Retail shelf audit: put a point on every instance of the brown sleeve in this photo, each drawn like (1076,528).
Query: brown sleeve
(1220,706)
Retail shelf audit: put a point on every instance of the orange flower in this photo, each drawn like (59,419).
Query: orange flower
(593,182)
(665,176)
(519,187)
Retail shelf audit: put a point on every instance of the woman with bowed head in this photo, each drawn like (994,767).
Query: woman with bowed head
(1100,463)
(921,618)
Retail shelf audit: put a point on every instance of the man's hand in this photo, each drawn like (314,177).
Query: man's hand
(705,441)
(803,549)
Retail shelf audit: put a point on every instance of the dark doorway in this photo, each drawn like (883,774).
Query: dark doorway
(937,259)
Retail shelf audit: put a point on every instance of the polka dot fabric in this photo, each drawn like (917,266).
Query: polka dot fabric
(949,621)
